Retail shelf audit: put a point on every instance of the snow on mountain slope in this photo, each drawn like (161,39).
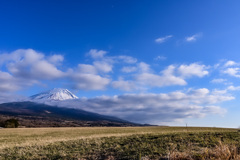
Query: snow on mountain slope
(57,94)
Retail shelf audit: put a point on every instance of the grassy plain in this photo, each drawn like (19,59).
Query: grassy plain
(119,143)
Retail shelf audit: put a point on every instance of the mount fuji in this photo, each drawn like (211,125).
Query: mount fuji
(57,94)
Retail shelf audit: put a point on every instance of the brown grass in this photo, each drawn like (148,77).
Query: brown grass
(112,143)
(219,152)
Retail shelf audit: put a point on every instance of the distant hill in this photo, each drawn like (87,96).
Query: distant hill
(31,114)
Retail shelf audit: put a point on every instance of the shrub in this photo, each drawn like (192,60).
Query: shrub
(11,123)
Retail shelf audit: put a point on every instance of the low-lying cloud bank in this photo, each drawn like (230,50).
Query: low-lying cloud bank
(153,108)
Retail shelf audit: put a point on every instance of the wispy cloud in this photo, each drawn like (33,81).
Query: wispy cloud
(229,67)
(94,53)
(129,69)
(233,88)
(126,59)
(193,69)
(219,80)
(193,37)
(235,72)
(230,63)
(160,58)
(163,39)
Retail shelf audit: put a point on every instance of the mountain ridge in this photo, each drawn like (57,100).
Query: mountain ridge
(31,114)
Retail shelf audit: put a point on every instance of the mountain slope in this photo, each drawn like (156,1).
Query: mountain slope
(32,114)
(54,94)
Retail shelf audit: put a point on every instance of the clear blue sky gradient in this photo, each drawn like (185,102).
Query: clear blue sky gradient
(121,27)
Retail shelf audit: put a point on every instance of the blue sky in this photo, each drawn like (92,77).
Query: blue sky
(161,62)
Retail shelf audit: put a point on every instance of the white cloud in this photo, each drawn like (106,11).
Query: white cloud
(7,82)
(219,80)
(55,59)
(225,91)
(143,67)
(29,64)
(230,68)
(127,59)
(94,53)
(155,108)
(129,69)
(215,110)
(86,76)
(124,85)
(166,79)
(193,37)
(87,68)
(193,69)
(26,67)
(233,88)
(45,70)
(89,81)
(219,92)
(160,58)
(199,92)
(103,66)
(235,72)
(163,39)
(172,75)
(230,63)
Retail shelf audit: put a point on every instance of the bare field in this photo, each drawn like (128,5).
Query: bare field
(110,142)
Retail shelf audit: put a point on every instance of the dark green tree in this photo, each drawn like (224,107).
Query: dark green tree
(11,123)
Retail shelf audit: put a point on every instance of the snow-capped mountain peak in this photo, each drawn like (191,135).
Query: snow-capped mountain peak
(57,94)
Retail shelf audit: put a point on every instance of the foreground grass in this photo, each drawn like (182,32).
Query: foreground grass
(119,143)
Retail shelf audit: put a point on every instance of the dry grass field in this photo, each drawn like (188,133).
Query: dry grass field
(119,143)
